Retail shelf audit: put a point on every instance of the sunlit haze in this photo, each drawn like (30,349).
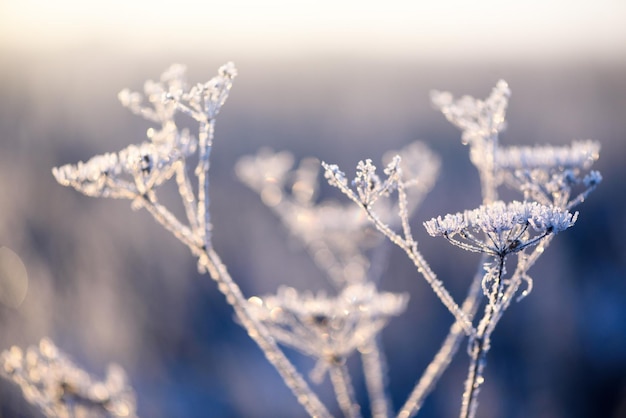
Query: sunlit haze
(483,28)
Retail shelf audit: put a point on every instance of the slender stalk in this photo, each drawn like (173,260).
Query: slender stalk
(374,369)
(344,392)
(205,142)
(474,379)
(294,381)
(479,346)
(516,279)
(164,217)
(264,340)
(186,194)
(444,356)
(424,269)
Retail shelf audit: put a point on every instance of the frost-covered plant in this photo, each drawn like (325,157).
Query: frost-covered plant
(341,238)
(544,175)
(59,388)
(330,329)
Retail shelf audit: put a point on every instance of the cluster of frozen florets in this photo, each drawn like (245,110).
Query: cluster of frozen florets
(52,382)
(413,169)
(478,119)
(550,174)
(500,228)
(136,169)
(324,327)
(129,173)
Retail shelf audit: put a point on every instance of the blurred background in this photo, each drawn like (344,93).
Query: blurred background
(340,81)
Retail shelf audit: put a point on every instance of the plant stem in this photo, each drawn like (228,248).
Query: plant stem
(264,340)
(344,392)
(205,142)
(257,331)
(374,369)
(444,356)
(479,346)
(424,269)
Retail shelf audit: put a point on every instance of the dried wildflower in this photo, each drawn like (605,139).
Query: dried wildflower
(478,119)
(367,183)
(419,165)
(580,155)
(327,328)
(173,83)
(414,169)
(506,227)
(208,98)
(131,172)
(549,174)
(52,382)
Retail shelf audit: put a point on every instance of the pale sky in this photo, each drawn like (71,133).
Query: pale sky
(482,27)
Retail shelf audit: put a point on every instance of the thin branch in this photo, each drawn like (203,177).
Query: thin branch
(186,194)
(424,269)
(479,346)
(303,393)
(344,392)
(305,396)
(374,369)
(205,142)
(446,353)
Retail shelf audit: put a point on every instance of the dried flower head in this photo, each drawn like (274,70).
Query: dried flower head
(415,167)
(52,382)
(208,98)
(173,83)
(133,171)
(478,119)
(327,328)
(420,167)
(549,174)
(505,227)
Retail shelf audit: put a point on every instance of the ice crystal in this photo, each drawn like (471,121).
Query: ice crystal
(506,226)
(327,328)
(59,388)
